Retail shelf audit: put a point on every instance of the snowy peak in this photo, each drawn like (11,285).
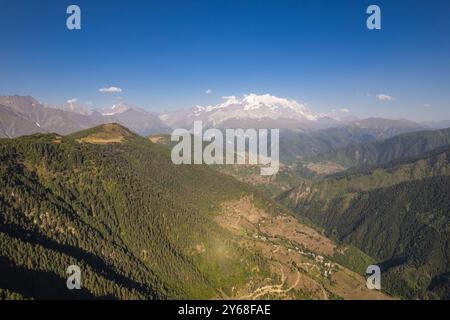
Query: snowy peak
(253,101)
(229,101)
(121,107)
(253,110)
(257,106)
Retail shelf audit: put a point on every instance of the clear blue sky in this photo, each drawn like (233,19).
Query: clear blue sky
(166,54)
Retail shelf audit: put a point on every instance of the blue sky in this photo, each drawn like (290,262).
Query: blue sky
(166,54)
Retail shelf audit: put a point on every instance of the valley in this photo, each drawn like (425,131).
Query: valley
(300,258)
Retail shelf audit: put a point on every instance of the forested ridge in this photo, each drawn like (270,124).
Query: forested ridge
(122,212)
(140,227)
(398,213)
(381,152)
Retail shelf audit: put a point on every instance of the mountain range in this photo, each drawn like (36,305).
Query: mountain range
(252,111)
(22,115)
(140,227)
(306,145)
(349,193)
(383,151)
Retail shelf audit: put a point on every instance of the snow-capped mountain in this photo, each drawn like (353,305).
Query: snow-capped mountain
(21,115)
(121,107)
(251,111)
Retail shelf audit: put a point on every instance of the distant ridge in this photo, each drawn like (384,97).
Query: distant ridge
(24,115)
(398,213)
(380,152)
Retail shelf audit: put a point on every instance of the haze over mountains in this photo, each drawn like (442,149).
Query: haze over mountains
(383,151)
(22,115)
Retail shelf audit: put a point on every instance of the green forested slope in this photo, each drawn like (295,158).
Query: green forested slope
(308,145)
(382,152)
(398,213)
(121,211)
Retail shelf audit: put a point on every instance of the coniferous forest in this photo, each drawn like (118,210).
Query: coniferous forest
(122,212)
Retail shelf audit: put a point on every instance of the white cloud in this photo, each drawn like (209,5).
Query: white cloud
(208,91)
(384,97)
(344,110)
(74,100)
(110,90)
